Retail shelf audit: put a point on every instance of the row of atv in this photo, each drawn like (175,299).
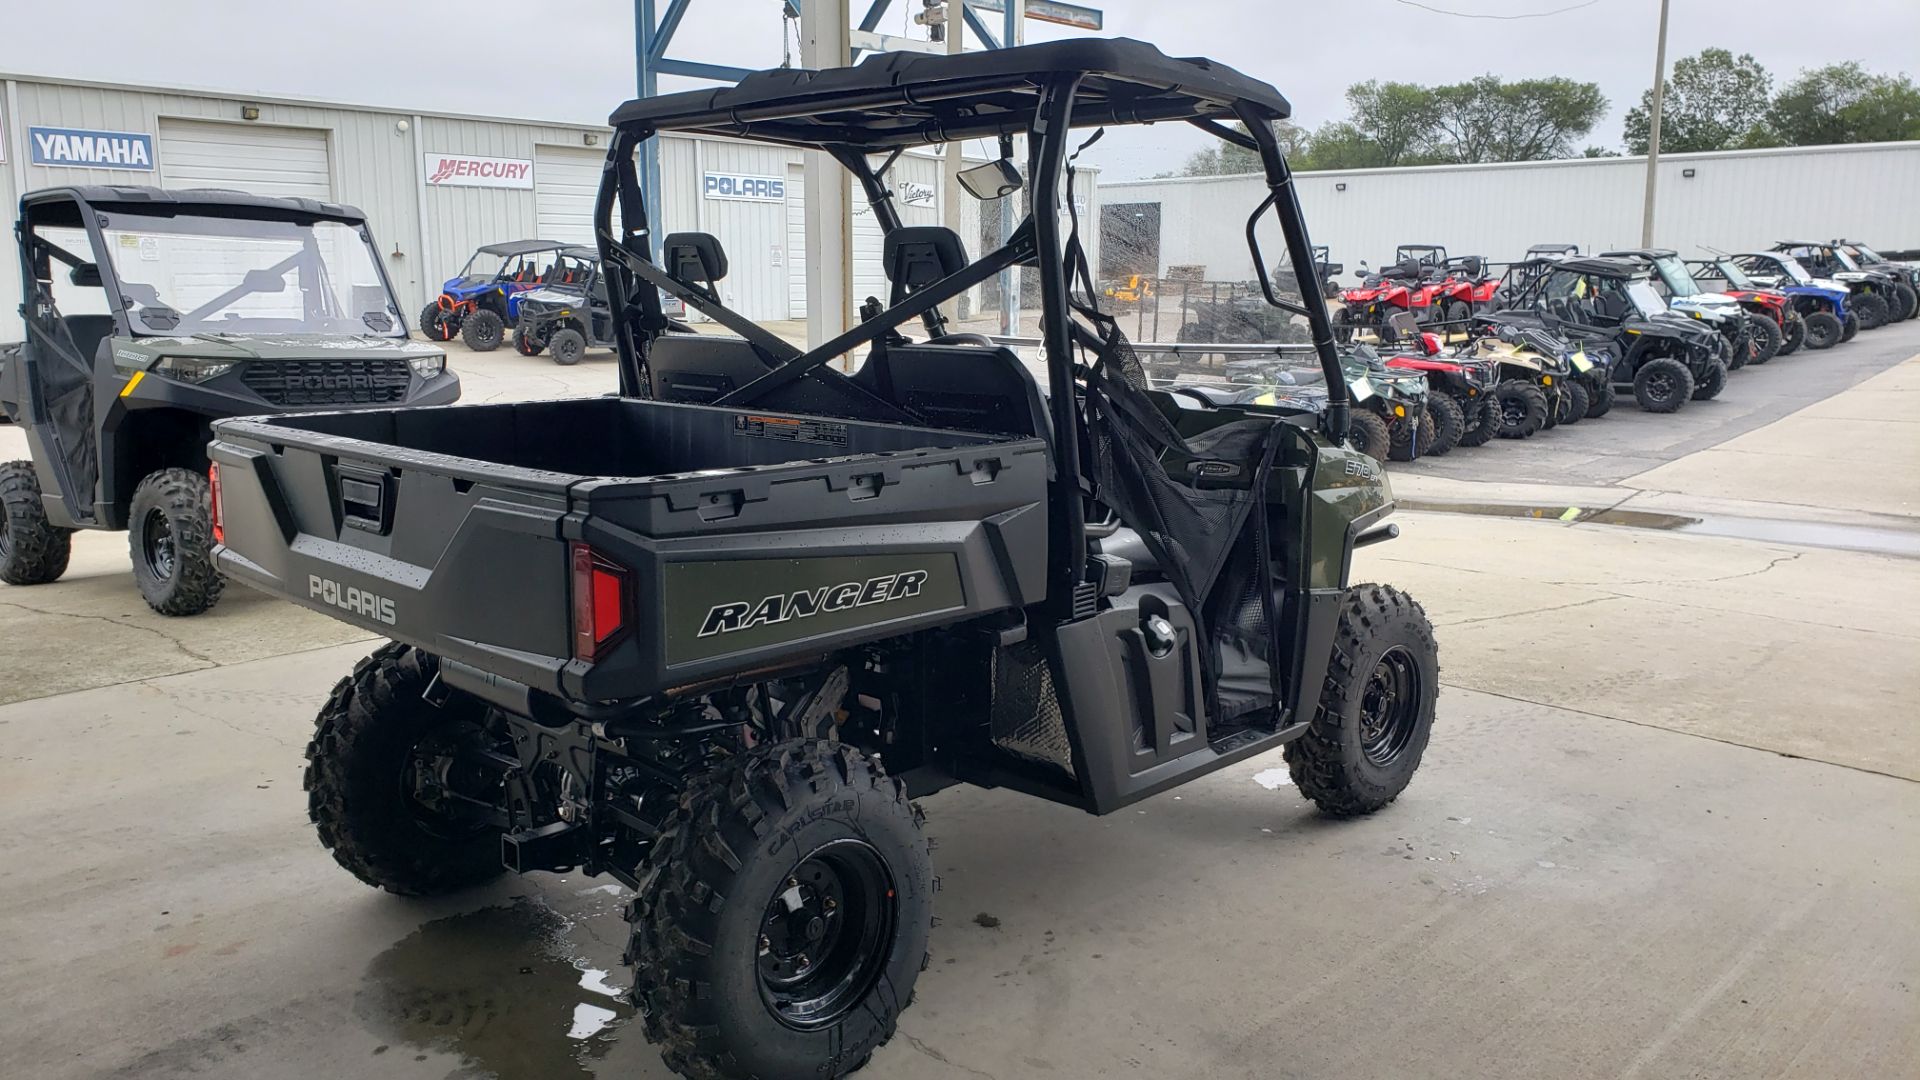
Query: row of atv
(1798,294)
(1571,333)
(543,296)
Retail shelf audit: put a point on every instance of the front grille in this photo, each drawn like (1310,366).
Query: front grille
(355,381)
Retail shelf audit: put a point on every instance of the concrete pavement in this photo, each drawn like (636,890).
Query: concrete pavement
(1668,826)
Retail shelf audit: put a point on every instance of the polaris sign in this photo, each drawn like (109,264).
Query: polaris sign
(720,185)
(78,148)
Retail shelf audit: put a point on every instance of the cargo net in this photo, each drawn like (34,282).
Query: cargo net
(1189,496)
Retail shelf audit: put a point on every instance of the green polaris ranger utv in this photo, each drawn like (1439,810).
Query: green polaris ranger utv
(711,637)
(149,314)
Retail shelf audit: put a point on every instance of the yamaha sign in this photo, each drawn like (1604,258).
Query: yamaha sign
(80,148)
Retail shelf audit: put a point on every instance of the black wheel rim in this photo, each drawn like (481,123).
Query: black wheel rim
(1390,706)
(826,934)
(1513,411)
(1660,385)
(156,544)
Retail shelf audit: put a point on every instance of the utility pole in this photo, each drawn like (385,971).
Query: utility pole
(1014,34)
(1653,129)
(829,217)
(951,159)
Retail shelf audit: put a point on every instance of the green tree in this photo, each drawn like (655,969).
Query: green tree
(1224,158)
(1845,103)
(1486,119)
(1714,101)
(1396,119)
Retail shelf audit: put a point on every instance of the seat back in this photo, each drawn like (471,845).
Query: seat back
(963,387)
(699,368)
(916,256)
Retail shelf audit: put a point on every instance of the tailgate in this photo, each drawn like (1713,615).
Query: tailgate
(413,546)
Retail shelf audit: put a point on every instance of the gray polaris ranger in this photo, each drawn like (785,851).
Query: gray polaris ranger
(711,636)
(149,314)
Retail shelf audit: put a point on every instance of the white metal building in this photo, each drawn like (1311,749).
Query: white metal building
(1734,200)
(435,186)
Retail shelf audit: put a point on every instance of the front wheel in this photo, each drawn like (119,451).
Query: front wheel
(1369,434)
(1872,310)
(394,782)
(782,916)
(437,324)
(1793,333)
(1824,330)
(170,535)
(1483,420)
(1376,707)
(1599,397)
(33,551)
(1412,439)
(1449,423)
(525,343)
(1343,326)
(567,346)
(483,330)
(1662,385)
(1521,408)
(1767,339)
(1849,327)
(1574,401)
(1906,301)
(1709,387)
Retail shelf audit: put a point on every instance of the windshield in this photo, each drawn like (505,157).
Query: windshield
(1840,256)
(1863,254)
(1736,277)
(189,274)
(1674,272)
(1645,299)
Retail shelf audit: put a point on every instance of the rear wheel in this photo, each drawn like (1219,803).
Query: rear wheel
(782,916)
(1906,301)
(1521,408)
(1822,330)
(1376,707)
(1368,434)
(483,330)
(1483,421)
(1709,387)
(394,781)
(1872,310)
(170,535)
(1662,385)
(1793,333)
(1767,338)
(437,324)
(32,550)
(1599,398)
(567,346)
(1573,402)
(1449,423)
(1459,316)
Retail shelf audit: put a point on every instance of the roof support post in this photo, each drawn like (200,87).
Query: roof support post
(829,218)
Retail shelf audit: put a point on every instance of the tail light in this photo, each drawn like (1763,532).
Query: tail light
(600,601)
(214,510)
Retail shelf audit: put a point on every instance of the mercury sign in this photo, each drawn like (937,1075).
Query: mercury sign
(720,185)
(76,148)
(466,170)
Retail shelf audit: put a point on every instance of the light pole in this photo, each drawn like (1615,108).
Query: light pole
(1653,128)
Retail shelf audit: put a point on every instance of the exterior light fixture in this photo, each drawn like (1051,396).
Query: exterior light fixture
(249,112)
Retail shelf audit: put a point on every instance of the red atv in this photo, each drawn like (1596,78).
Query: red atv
(1412,286)
(1469,289)
(1769,304)
(1458,392)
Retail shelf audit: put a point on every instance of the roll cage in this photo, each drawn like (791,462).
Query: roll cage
(895,101)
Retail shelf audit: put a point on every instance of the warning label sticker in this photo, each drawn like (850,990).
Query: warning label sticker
(791,429)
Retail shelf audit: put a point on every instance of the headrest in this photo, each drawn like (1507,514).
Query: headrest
(694,256)
(916,256)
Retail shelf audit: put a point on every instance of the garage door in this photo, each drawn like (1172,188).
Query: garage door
(565,181)
(245,157)
(796,242)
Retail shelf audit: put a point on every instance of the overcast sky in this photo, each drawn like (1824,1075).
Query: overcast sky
(481,56)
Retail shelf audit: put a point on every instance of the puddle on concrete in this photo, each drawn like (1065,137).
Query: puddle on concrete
(1867,538)
(502,987)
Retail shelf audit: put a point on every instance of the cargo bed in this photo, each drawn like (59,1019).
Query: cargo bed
(742,538)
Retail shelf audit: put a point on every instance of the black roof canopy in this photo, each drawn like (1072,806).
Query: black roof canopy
(1601,267)
(525,247)
(909,99)
(209,201)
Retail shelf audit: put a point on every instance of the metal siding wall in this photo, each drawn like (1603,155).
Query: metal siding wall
(1738,200)
(749,230)
(13,141)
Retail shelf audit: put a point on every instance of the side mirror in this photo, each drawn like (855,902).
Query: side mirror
(263,281)
(994,180)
